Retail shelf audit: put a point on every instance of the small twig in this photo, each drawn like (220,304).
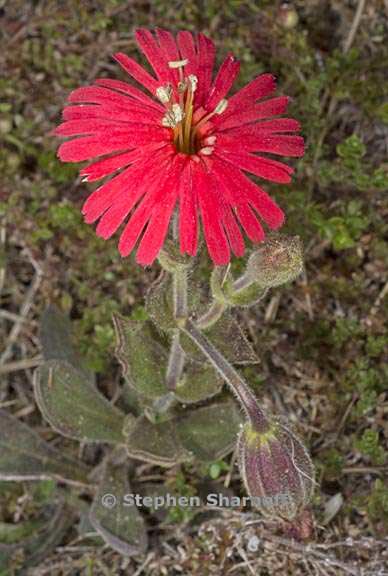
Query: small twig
(228,477)
(308,551)
(309,304)
(145,564)
(379,299)
(272,308)
(364,470)
(21,365)
(24,311)
(246,563)
(25,308)
(346,414)
(3,235)
(11,316)
(354,27)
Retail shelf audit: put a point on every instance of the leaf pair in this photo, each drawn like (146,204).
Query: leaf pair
(144,360)
(25,456)
(206,434)
(144,363)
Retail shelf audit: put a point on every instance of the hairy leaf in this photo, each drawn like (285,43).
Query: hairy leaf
(159,303)
(198,382)
(25,456)
(57,342)
(157,443)
(142,358)
(73,406)
(229,338)
(209,433)
(120,525)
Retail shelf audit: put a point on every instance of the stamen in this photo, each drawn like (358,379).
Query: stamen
(168,120)
(210,140)
(182,87)
(193,81)
(173,117)
(164,93)
(221,106)
(178,112)
(219,109)
(207,150)
(178,63)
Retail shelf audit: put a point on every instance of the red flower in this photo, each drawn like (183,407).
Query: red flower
(182,144)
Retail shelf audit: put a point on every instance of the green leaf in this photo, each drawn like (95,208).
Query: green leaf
(210,432)
(57,342)
(156,443)
(25,456)
(230,339)
(199,382)
(73,406)
(121,526)
(159,301)
(142,358)
(159,304)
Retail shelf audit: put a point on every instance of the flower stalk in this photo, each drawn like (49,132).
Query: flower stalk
(176,362)
(180,293)
(212,315)
(236,383)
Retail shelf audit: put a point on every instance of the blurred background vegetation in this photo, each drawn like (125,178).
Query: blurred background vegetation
(321,341)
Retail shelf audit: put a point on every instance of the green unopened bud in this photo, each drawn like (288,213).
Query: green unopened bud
(279,259)
(276,469)
(172,260)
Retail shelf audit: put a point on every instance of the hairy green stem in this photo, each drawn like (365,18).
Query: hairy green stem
(237,384)
(179,280)
(176,362)
(212,316)
(243,282)
(218,306)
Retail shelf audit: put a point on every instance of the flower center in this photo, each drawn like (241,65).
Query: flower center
(192,131)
